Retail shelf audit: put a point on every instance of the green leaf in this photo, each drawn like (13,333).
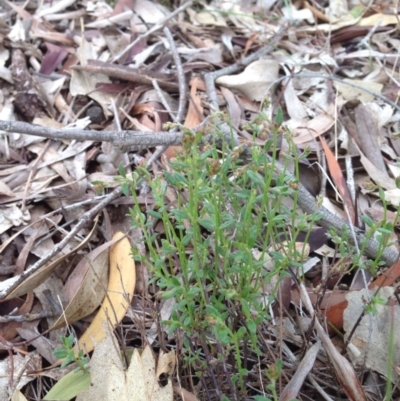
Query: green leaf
(256,178)
(69,358)
(68,341)
(121,170)
(230,221)
(279,116)
(179,214)
(60,353)
(384,231)
(69,386)
(261,398)
(367,220)
(154,214)
(252,327)
(125,188)
(208,224)
(172,293)
(357,10)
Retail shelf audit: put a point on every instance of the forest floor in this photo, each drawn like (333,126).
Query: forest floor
(199,200)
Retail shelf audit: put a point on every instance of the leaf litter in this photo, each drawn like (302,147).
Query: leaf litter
(80,69)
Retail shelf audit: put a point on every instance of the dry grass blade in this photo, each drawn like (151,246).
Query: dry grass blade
(292,389)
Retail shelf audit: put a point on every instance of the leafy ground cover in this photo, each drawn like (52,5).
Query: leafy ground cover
(199,200)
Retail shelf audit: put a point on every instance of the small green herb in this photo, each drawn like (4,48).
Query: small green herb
(67,353)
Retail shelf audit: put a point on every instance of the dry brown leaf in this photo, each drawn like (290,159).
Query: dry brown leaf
(17,366)
(351,93)
(195,113)
(5,189)
(194,117)
(85,83)
(383,19)
(307,132)
(18,396)
(148,11)
(9,330)
(86,287)
(235,113)
(393,196)
(339,180)
(295,107)
(369,136)
(381,178)
(209,16)
(53,57)
(121,284)
(166,364)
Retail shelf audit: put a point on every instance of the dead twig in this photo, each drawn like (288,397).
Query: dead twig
(182,93)
(29,317)
(126,73)
(139,139)
(181,75)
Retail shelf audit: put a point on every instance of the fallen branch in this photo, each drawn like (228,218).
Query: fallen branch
(309,205)
(143,139)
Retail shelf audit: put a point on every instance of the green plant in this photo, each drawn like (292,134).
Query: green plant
(67,353)
(370,307)
(225,210)
(228,238)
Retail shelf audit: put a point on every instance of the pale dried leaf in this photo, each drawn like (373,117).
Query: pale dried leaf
(19,367)
(344,371)
(351,93)
(84,83)
(370,341)
(110,382)
(86,287)
(186,395)
(292,13)
(254,81)
(5,189)
(148,11)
